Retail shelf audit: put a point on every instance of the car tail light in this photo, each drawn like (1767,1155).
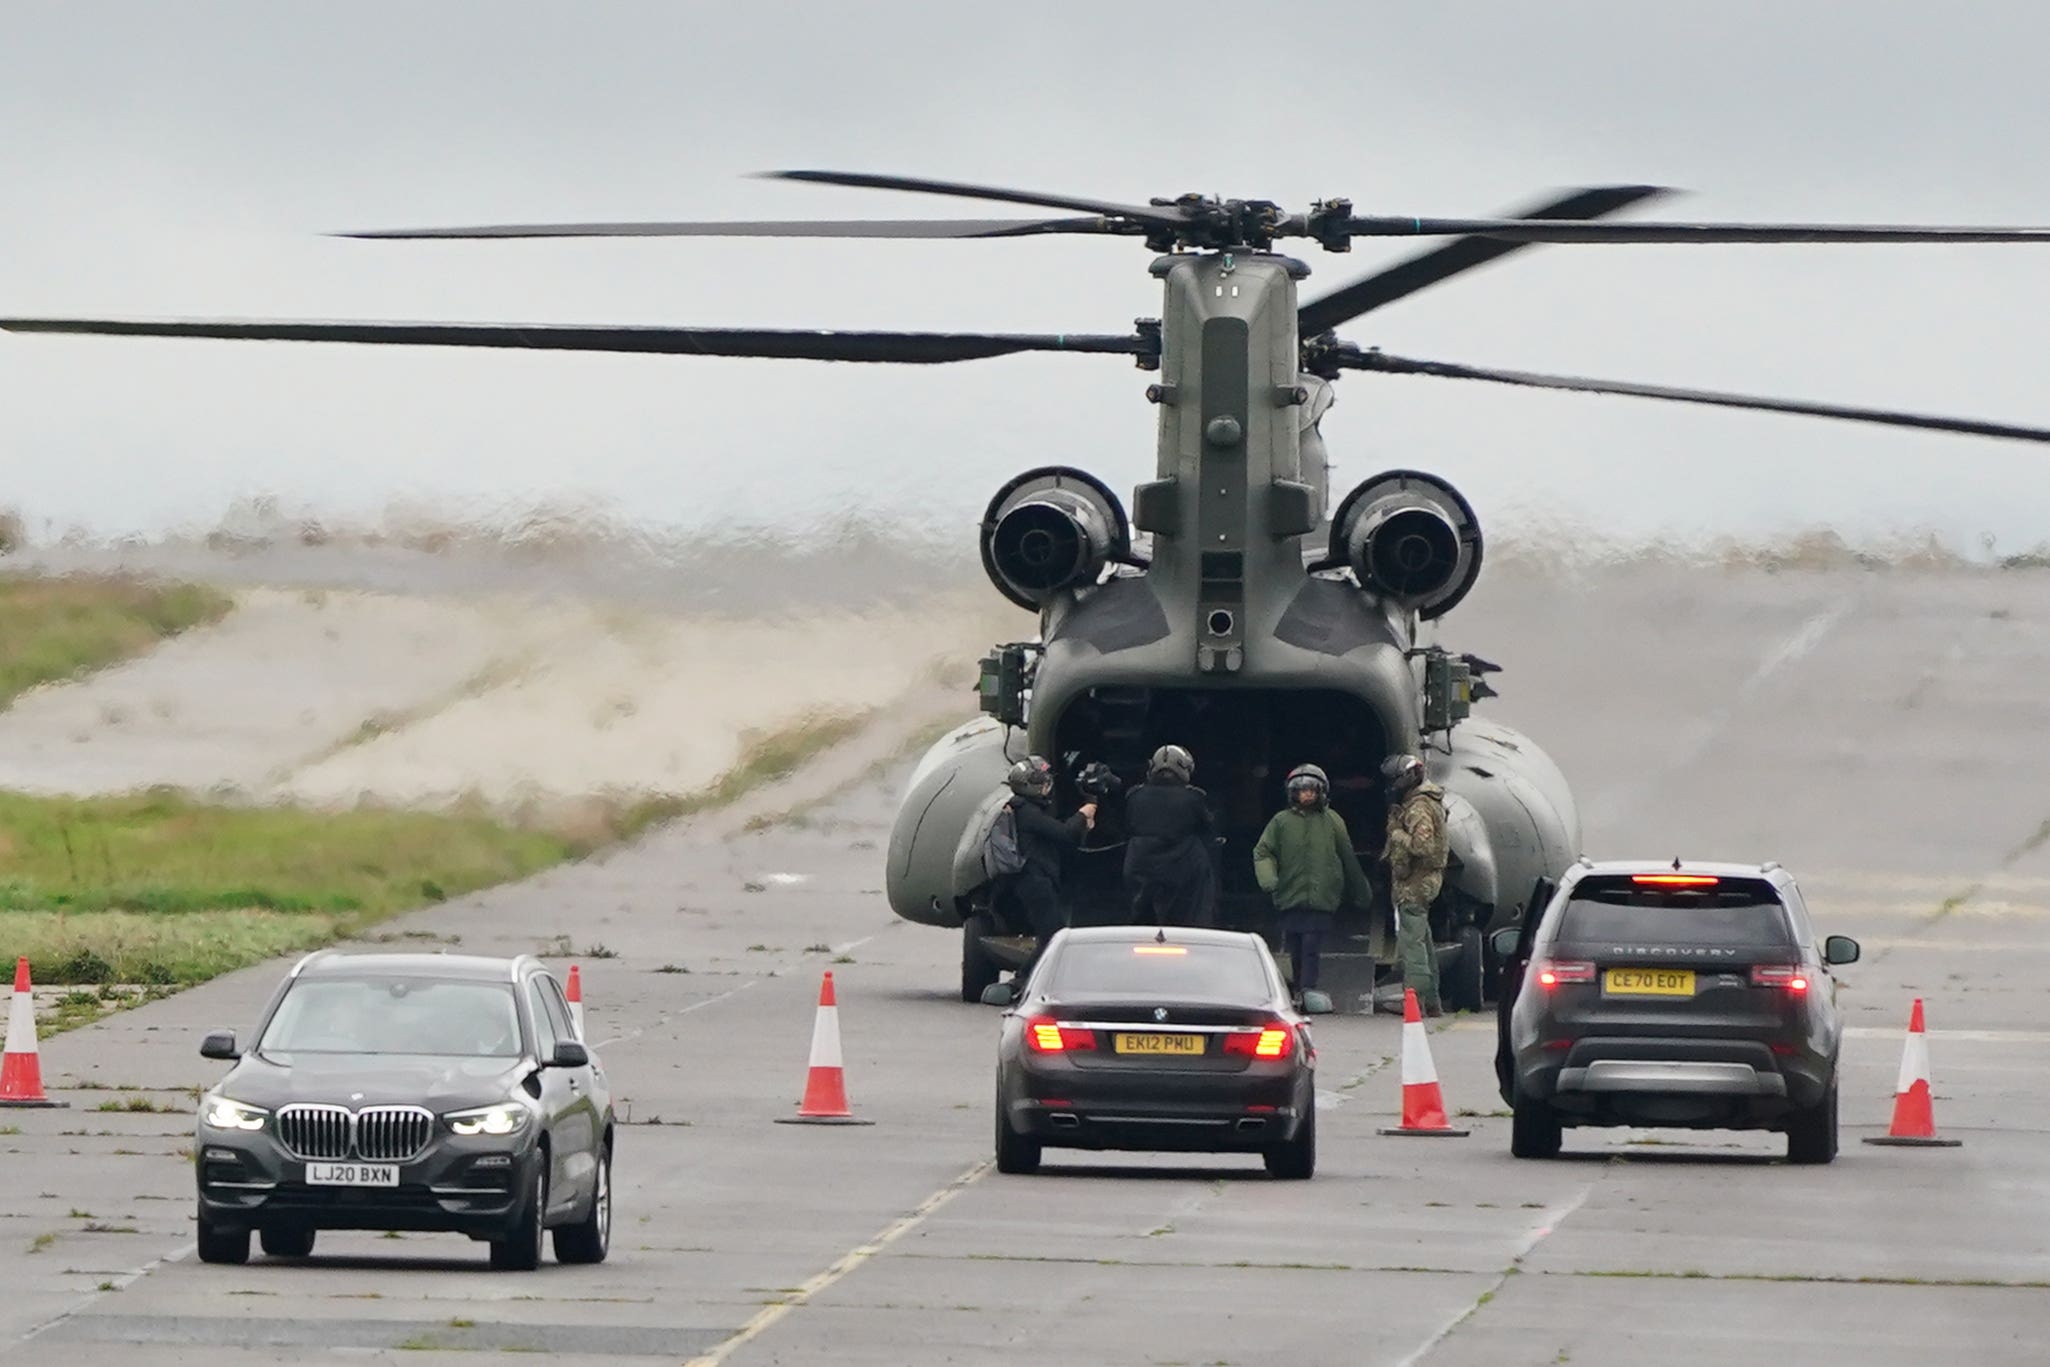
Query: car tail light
(1045,1035)
(1553,972)
(1677,880)
(1792,977)
(1270,1041)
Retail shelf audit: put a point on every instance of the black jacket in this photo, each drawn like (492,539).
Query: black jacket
(1044,839)
(1168,830)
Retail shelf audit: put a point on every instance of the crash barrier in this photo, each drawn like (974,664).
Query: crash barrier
(825,1083)
(1914,1111)
(1423,1108)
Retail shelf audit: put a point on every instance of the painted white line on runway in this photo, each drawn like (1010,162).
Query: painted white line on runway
(667,1016)
(1969,1036)
(852,1259)
(1547,1221)
(852,945)
(120,1283)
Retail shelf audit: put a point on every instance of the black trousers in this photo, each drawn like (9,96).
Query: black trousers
(1302,938)
(1192,902)
(1038,900)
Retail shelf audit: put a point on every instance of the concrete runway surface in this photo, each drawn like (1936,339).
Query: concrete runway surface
(1881,733)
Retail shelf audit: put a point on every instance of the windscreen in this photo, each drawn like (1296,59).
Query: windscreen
(1724,911)
(1230,973)
(395,1016)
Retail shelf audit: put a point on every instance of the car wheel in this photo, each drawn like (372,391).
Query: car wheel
(217,1245)
(520,1249)
(978,969)
(588,1239)
(1296,1160)
(1465,985)
(1811,1134)
(294,1241)
(1016,1153)
(1535,1131)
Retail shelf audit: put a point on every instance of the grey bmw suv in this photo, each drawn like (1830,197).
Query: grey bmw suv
(432,1092)
(1689,995)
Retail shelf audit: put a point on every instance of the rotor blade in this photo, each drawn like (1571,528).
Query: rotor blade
(1162,214)
(1420,272)
(1402,365)
(897,227)
(906,347)
(1524,230)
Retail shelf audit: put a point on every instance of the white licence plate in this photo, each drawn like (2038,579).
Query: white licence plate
(352,1174)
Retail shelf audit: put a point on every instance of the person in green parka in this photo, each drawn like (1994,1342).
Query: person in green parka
(1305,862)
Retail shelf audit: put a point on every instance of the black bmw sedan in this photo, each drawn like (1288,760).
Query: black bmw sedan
(1131,1037)
(432,1092)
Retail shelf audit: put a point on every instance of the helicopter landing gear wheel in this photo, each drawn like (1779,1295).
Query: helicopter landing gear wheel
(1465,983)
(978,968)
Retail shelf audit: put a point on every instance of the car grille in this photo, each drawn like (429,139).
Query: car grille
(379,1134)
(392,1134)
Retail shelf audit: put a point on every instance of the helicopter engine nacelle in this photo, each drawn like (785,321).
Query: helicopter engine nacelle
(1051,530)
(1409,537)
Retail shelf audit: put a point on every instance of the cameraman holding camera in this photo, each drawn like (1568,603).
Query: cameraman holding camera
(1170,875)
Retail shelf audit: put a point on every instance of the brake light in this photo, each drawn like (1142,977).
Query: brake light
(1552,972)
(1677,880)
(1272,1041)
(1792,977)
(1160,949)
(1045,1035)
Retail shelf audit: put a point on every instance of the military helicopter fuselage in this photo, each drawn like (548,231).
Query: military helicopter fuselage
(1233,614)
(1234,611)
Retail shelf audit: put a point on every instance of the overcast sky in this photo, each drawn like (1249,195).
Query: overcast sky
(184,159)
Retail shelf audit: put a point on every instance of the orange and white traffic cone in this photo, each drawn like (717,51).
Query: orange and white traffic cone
(576,1000)
(1423,1109)
(1914,1117)
(21,1070)
(825,1085)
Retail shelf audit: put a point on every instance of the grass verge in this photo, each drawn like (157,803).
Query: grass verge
(158,889)
(57,628)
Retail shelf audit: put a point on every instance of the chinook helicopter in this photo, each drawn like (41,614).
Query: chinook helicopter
(1233,610)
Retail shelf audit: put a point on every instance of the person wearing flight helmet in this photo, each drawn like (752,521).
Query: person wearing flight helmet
(1305,862)
(1170,876)
(1044,841)
(1416,852)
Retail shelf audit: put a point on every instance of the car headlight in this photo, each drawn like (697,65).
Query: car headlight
(487,1120)
(224,1114)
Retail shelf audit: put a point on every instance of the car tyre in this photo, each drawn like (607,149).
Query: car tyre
(520,1249)
(1296,1160)
(1534,1131)
(293,1241)
(1016,1153)
(217,1245)
(1811,1133)
(588,1240)
(1466,984)
(978,968)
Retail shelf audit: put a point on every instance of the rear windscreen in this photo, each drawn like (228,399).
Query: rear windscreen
(1730,911)
(1216,972)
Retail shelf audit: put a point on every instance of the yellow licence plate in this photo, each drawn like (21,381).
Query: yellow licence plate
(1160,1044)
(1650,982)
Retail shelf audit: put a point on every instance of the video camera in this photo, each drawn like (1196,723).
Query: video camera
(1096,781)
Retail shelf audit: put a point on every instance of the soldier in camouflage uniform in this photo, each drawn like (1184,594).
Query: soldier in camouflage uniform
(1416,853)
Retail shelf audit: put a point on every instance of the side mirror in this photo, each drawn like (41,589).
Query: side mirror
(1504,941)
(220,1044)
(1000,994)
(1315,1003)
(570,1053)
(1840,949)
